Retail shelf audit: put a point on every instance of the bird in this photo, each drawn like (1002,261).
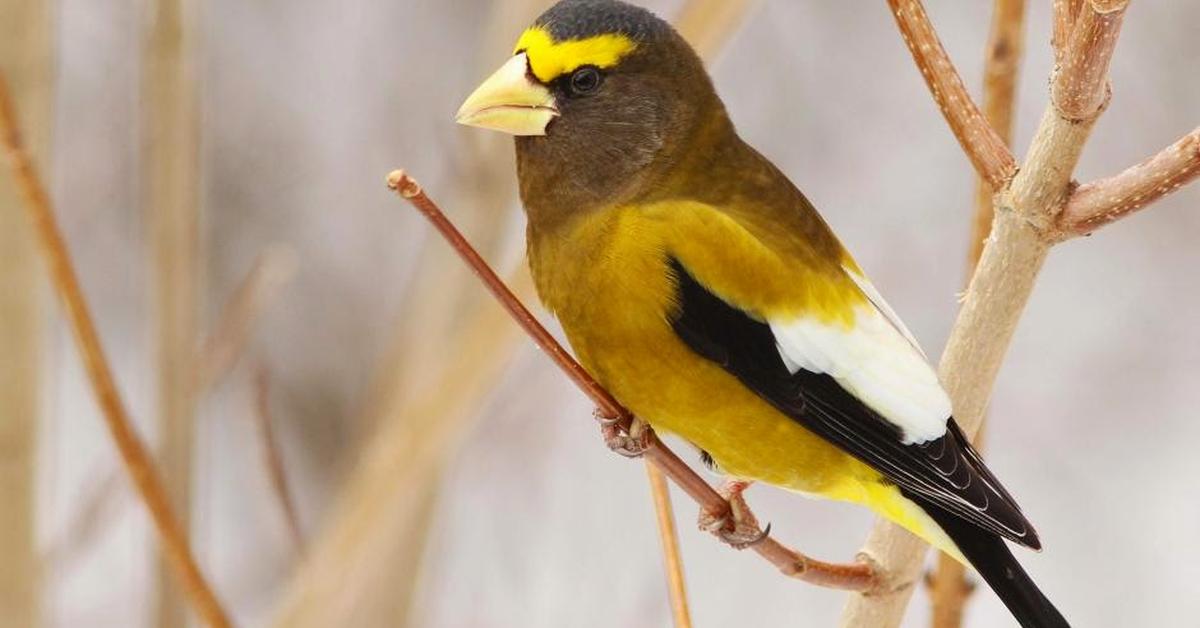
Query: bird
(696,283)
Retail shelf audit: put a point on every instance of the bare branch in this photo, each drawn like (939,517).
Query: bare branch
(672,559)
(137,460)
(1096,204)
(1023,231)
(1080,87)
(858,577)
(1065,13)
(1002,64)
(948,585)
(984,147)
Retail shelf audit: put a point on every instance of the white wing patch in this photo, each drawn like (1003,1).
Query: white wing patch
(877,360)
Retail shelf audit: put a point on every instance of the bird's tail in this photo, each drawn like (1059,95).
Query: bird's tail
(990,556)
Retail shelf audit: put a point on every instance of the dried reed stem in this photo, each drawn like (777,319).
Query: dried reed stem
(27,51)
(272,457)
(134,455)
(1096,204)
(672,558)
(985,148)
(171,203)
(860,577)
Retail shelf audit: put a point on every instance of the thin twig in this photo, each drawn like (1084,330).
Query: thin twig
(272,457)
(1096,204)
(220,351)
(1002,64)
(984,147)
(136,458)
(857,577)
(707,24)
(672,558)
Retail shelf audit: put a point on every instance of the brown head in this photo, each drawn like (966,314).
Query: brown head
(604,99)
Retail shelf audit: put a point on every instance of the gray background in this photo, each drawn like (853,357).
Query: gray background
(307,104)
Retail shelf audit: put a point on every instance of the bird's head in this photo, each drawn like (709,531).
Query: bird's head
(596,92)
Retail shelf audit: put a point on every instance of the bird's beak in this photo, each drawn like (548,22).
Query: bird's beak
(510,101)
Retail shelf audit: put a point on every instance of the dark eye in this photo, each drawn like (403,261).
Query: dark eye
(585,80)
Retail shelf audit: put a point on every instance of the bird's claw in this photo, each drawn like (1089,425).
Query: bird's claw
(632,444)
(736,526)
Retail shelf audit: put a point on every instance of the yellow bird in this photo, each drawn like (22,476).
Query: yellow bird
(699,286)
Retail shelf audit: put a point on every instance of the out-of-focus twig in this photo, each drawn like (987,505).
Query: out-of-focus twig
(983,146)
(708,24)
(672,558)
(272,457)
(136,458)
(220,351)
(171,205)
(89,520)
(1096,204)
(27,53)
(860,576)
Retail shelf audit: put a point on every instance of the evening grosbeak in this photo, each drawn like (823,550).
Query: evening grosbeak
(701,288)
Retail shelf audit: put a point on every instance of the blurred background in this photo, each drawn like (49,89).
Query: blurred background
(358,437)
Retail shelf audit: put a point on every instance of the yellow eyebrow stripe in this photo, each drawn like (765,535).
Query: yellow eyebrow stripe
(550,59)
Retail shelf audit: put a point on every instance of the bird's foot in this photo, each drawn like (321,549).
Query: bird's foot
(631,444)
(737,526)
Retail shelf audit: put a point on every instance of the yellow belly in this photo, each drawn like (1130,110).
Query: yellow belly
(614,299)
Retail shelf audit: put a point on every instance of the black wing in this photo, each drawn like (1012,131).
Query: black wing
(946,471)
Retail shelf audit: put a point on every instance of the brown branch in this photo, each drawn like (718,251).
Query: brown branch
(1001,67)
(1023,231)
(984,147)
(1096,204)
(857,577)
(1065,14)
(1080,89)
(272,457)
(672,559)
(136,458)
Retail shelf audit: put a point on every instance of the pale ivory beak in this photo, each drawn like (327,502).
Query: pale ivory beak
(510,101)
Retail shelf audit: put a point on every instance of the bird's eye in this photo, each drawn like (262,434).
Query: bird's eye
(585,80)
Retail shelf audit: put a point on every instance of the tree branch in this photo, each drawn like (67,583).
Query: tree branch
(1096,204)
(948,586)
(1021,237)
(984,147)
(857,577)
(1065,12)
(138,462)
(1081,85)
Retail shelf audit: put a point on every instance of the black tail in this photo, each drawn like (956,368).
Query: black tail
(990,556)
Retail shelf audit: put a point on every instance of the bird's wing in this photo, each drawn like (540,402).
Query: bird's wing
(864,387)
